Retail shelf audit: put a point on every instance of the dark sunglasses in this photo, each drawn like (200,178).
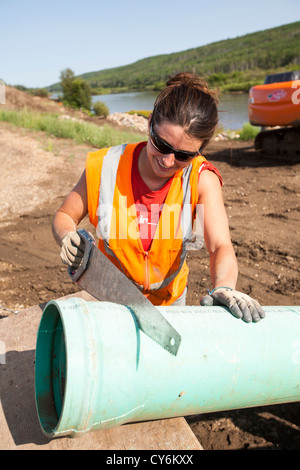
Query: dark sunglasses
(164,148)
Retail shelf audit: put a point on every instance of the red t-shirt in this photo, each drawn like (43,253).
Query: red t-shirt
(149,204)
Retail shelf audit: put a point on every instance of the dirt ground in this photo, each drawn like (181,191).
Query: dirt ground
(263,204)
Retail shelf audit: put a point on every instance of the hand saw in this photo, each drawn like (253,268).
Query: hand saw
(102,279)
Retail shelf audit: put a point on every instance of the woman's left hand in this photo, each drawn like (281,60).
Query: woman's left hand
(240,305)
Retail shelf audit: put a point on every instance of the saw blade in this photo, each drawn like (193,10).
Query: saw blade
(102,279)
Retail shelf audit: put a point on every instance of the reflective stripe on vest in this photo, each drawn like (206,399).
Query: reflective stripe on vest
(105,208)
(106,193)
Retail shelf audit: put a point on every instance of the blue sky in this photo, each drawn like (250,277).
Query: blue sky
(40,38)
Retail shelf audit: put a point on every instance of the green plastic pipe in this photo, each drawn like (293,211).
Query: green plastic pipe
(95,369)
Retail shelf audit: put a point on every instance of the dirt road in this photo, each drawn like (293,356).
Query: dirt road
(263,205)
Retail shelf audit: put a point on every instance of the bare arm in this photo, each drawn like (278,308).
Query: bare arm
(223,264)
(71,212)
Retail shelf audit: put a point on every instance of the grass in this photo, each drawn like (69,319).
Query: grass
(80,132)
(142,112)
(248,132)
(87,133)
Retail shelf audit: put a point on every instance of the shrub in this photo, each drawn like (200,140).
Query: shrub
(76,92)
(42,92)
(248,132)
(100,109)
(20,87)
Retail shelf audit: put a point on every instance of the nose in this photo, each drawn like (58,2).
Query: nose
(168,160)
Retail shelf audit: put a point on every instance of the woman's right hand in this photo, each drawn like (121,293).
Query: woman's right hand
(66,219)
(72,249)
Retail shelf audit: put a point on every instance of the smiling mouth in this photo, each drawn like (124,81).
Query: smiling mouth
(163,167)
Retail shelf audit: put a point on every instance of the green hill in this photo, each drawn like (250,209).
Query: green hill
(232,64)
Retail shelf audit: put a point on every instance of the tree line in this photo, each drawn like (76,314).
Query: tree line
(230,65)
(244,59)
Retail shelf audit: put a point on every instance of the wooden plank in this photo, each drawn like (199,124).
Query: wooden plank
(19,426)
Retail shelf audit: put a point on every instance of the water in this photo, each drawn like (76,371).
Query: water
(233,107)
(233,111)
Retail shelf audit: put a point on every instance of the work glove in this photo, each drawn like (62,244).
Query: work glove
(72,249)
(240,304)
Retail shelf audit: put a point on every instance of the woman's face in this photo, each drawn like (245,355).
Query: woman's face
(166,165)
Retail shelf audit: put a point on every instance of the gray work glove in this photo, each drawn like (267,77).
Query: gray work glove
(240,304)
(72,249)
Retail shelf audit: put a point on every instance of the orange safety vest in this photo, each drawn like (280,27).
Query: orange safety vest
(161,273)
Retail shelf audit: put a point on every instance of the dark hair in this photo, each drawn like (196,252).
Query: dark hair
(188,102)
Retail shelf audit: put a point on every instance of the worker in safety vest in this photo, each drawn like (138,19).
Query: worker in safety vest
(143,200)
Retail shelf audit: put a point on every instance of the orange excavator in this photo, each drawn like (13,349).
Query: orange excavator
(275,106)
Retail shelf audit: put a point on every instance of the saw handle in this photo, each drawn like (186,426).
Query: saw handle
(89,243)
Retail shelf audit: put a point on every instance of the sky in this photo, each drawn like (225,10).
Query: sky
(39,39)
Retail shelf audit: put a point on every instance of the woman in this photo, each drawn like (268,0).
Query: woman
(143,199)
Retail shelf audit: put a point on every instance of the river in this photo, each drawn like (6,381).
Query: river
(233,107)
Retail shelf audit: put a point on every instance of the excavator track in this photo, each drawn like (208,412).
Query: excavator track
(279,144)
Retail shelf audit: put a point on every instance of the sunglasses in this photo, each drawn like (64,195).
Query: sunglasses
(164,148)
